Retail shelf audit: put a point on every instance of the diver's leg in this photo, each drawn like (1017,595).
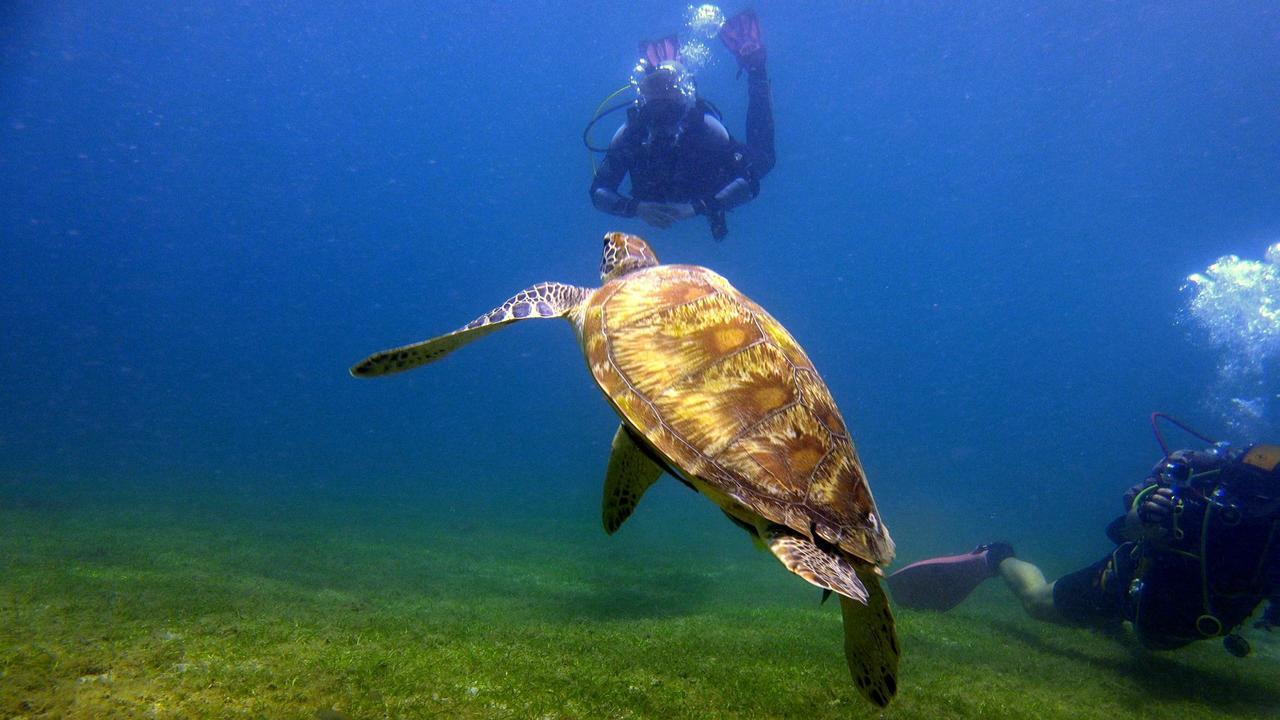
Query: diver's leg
(1093,596)
(760,121)
(1028,583)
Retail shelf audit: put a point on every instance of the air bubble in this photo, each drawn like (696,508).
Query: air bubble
(1235,306)
(704,20)
(696,54)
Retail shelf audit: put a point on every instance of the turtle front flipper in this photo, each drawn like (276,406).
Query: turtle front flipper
(631,472)
(871,642)
(544,300)
(824,568)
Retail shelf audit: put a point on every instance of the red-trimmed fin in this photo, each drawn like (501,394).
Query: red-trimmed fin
(660,50)
(741,34)
(940,583)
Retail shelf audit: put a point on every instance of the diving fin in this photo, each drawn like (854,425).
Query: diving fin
(741,34)
(942,583)
(660,50)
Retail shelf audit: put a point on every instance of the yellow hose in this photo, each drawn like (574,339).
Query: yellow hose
(596,116)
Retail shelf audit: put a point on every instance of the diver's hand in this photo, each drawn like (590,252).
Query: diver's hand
(682,211)
(658,215)
(664,215)
(1157,507)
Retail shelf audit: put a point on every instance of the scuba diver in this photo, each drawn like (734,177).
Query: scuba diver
(1197,551)
(682,160)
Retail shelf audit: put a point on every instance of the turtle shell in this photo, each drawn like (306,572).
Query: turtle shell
(727,397)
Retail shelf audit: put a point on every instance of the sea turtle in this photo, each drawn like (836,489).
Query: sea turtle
(717,393)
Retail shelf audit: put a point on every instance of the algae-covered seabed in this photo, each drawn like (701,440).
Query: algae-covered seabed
(153,602)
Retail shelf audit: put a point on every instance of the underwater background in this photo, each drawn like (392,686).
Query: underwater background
(981,227)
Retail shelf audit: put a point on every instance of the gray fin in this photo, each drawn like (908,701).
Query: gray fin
(871,642)
(544,300)
(631,472)
(824,568)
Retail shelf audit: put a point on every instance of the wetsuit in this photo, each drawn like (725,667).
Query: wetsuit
(700,163)
(1202,577)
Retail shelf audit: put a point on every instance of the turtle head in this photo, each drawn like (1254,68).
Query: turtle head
(624,253)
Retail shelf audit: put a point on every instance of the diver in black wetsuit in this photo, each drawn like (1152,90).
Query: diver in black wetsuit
(682,160)
(1197,551)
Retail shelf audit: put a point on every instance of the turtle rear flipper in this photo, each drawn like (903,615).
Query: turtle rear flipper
(631,472)
(544,300)
(823,568)
(871,642)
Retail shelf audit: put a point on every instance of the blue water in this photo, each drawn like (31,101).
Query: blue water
(979,226)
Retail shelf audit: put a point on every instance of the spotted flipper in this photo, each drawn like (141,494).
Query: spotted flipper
(823,568)
(544,300)
(871,642)
(631,472)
